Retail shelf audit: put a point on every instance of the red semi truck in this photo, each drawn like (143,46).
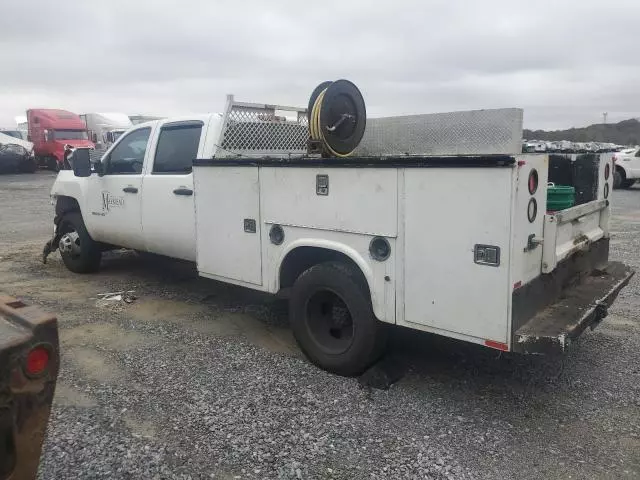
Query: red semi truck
(50,130)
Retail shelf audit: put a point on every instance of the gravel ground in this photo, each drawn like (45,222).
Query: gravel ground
(198,379)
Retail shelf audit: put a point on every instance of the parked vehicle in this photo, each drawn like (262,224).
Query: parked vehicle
(627,167)
(29,362)
(387,235)
(105,128)
(16,155)
(14,133)
(50,130)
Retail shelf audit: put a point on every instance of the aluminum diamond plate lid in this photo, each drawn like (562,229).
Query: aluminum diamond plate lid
(476,132)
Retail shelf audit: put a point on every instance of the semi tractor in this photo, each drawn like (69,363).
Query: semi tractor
(104,128)
(363,223)
(50,130)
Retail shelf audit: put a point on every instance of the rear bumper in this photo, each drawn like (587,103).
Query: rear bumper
(556,308)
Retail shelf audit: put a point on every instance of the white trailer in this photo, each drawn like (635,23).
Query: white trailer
(105,128)
(436,223)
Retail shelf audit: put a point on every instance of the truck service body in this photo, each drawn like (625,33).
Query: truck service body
(50,130)
(436,223)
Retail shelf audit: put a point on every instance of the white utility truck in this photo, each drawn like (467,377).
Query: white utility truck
(433,222)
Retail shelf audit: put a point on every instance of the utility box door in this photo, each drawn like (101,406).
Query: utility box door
(448,211)
(228,222)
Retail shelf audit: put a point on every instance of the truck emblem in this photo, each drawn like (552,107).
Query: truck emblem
(109,201)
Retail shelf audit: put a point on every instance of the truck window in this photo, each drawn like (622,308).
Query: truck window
(70,135)
(177,147)
(128,155)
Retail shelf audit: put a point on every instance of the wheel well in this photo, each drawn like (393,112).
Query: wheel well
(302,258)
(621,171)
(66,204)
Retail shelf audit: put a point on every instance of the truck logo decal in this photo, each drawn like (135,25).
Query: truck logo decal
(110,201)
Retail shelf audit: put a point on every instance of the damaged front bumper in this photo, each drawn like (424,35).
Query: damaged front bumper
(583,304)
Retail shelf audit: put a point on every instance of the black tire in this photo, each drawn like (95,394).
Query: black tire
(52,164)
(29,166)
(618,178)
(628,183)
(90,253)
(349,338)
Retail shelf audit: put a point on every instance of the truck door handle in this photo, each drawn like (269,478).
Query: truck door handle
(183,191)
(130,190)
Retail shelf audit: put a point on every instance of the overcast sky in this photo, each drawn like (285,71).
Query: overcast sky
(565,62)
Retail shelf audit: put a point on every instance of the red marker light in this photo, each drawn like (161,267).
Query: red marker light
(497,345)
(37,361)
(607,171)
(533,181)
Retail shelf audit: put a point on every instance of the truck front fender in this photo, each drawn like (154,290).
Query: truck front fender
(68,191)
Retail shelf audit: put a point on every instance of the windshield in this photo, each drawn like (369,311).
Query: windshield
(70,135)
(12,133)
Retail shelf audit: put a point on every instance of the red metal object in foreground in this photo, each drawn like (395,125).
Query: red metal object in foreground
(29,361)
(37,361)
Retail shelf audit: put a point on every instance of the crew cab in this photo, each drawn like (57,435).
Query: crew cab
(627,167)
(428,208)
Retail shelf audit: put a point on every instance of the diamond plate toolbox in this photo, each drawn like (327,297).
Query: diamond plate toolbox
(476,132)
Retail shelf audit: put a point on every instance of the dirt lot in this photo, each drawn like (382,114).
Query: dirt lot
(196,379)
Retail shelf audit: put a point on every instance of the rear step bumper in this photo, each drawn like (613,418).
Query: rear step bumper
(553,328)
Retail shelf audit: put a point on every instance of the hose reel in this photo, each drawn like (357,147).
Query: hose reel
(337,118)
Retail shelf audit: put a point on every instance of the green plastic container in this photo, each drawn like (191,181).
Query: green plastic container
(560,197)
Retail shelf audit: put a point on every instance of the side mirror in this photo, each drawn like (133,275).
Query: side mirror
(81,162)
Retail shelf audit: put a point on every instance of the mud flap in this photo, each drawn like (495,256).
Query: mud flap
(583,305)
(52,245)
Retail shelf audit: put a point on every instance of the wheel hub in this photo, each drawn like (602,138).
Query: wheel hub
(70,244)
(329,322)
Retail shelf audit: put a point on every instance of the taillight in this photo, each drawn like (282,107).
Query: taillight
(37,361)
(615,159)
(533,181)
(607,171)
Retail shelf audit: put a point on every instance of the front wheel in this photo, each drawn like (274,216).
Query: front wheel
(628,183)
(52,164)
(333,321)
(80,253)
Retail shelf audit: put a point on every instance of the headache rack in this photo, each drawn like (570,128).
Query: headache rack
(253,130)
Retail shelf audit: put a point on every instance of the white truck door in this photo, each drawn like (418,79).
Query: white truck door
(168,217)
(113,199)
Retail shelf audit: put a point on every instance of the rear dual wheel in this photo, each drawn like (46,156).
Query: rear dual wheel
(333,321)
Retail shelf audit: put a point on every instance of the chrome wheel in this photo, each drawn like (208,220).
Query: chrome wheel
(70,244)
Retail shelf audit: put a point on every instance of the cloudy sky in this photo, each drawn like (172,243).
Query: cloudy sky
(564,61)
